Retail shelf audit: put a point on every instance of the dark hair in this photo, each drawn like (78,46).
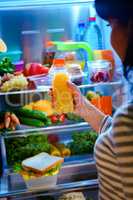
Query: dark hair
(122,10)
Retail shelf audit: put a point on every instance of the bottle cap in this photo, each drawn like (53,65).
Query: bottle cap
(59,62)
(49,43)
(81,24)
(92,19)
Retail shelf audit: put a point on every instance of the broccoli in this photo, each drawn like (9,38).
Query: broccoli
(83,142)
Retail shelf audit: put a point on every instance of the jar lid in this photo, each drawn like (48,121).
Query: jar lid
(92,19)
(99,64)
(59,62)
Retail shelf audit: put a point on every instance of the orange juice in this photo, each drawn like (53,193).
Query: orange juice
(62,95)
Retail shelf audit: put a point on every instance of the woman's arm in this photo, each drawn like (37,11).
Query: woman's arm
(86,110)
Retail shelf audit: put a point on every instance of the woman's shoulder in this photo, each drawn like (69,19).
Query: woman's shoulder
(125,112)
(120,127)
(122,123)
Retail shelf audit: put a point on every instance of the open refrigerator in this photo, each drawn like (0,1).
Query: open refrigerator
(25,25)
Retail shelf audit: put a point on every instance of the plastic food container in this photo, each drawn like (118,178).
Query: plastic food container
(40,80)
(99,71)
(44,182)
(78,80)
(75,73)
(19,65)
(106,54)
(13,55)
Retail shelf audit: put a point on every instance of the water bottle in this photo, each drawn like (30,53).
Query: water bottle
(93,34)
(80,32)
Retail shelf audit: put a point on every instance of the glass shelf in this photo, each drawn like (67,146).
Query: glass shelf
(46,88)
(80,126)
(113,83)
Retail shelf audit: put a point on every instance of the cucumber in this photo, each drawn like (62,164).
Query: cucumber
(31,113)
(48,122)
(31,122)
(73,117)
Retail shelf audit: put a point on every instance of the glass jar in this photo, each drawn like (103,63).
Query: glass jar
(99,71)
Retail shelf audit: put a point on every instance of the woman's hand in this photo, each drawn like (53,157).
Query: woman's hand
(79,101)
(83,108)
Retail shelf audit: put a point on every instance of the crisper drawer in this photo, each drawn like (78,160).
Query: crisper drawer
(76,142)
(78,168)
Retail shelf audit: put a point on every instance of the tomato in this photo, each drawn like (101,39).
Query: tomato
(26,70)
(53,138)
(54,119)
(35,68)
(44,70)
(32,69)
(62,117)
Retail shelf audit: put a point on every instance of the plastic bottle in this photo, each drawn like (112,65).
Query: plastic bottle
(80,32)
(62,94)
(93,34)
(58,66)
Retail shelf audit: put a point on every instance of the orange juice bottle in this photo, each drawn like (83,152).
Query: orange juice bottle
(62,95)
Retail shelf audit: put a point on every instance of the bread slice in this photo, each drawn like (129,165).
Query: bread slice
(41,163)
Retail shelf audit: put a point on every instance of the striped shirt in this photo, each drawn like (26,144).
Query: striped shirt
(114,156)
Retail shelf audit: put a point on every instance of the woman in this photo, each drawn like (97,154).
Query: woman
(114,146)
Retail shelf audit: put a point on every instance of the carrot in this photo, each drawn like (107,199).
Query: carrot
(7,122)
(7,114)
(106,104)
(12,126)
(2,125)
(15,119)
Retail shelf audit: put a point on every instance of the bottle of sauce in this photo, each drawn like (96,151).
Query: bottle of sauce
(48,54)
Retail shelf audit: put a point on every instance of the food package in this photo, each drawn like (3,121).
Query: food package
(45,182)
(62,94)
(72,196)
